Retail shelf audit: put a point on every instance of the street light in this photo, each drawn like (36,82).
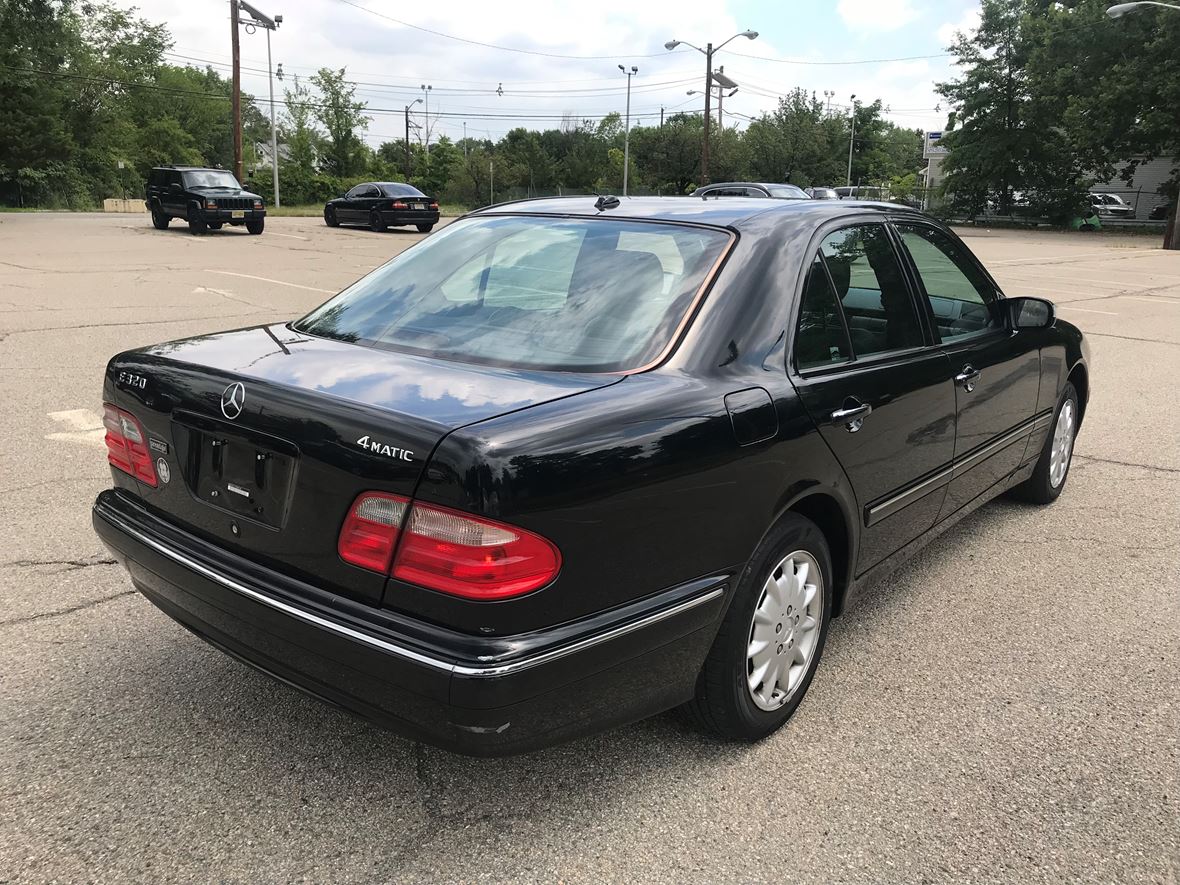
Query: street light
(269,24)
(410,105)
(851,139)
(1171,241)
(707,52)
(426,92)
(627,130)
(1121,9)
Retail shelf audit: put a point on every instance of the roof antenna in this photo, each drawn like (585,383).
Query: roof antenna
(606,201)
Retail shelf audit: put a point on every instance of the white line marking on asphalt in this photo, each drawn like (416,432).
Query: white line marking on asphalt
(1151,300)
(1086,310)
(248,276)
(1047,258)
(274,233)
(87,427)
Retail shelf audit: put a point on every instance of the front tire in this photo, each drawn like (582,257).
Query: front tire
(159,219)
(330,218)
(771,641)
(376,224)
(1052,470)
(196,224)
(256,225)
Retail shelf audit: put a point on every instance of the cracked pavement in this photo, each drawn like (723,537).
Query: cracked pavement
(1004,708)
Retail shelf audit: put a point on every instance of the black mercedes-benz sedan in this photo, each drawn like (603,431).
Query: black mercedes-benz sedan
(569,463)
(383,204)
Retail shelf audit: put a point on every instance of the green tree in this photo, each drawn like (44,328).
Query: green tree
(342,117)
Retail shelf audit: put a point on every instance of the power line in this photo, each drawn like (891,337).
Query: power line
(406,24)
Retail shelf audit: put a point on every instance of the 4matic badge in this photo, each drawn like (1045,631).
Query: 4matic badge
(379,448)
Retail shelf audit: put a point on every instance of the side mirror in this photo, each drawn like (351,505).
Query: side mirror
(1030,313)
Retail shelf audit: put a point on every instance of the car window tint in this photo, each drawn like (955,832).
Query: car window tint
(961,297)
(594,294)
(869,283)
(820,339)
(355,192)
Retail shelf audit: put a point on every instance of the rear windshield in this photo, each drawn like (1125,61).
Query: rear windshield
(787,192)
(591,294)
(401,190)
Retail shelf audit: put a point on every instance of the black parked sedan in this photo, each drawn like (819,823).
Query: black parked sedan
(381,204)
(569,463)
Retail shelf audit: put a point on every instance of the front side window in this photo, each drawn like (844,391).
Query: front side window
(961,297)
(207,178)
(820,339)
(358,191)
(872,290)
(591,294)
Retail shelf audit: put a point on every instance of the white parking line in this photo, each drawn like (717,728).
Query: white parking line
(87,427)
(1150,300)
(230,273)
(288,236)
(1087,310)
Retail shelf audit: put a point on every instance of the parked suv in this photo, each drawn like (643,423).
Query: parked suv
(205,198)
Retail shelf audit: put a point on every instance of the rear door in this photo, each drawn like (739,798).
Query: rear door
(997,372)
(173,196)
(876,385)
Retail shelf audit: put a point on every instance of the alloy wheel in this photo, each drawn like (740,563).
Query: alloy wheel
(1062,449)
(785,630)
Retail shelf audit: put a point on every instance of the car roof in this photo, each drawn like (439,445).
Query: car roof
(731,212)
(191,168)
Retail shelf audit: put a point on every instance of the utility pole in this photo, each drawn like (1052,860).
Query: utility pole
(426,92)
(627,131)
(407,141)
(708,95)
(851,141)
(464,139)
(661,116)
(274,137)
(236,101)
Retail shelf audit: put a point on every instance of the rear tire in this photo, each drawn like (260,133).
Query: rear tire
(786,586)
(330,218)
(256,225)
(159,219)
(376,224)
(196,224)
(425,228)
(1052,470)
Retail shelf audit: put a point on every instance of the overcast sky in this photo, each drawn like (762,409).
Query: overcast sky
(801,43)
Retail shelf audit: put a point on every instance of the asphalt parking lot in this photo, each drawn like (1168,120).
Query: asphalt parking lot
(1004,708)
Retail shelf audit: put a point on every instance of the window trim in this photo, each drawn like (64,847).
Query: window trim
(925,307)
(867,361)
(839,311)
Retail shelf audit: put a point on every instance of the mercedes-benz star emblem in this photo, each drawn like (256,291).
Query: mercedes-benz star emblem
(233,399)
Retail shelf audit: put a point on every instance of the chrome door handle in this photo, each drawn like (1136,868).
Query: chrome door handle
(968,377)
(852,418)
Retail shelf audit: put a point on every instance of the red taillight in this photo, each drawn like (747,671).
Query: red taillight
(434,205)
(398,204)
(127,445)
(370,530)
(446,550)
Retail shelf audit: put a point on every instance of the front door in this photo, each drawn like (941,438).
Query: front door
(876,385)
(997,373)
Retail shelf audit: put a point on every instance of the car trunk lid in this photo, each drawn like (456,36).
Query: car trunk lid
(266,435)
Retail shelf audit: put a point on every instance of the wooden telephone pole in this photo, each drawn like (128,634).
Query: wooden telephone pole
(237,96)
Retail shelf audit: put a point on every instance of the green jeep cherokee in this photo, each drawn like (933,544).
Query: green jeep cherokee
(205,198)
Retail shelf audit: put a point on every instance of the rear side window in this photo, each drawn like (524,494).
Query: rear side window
(820,339)
(590,294)
(872,290)
(961,297)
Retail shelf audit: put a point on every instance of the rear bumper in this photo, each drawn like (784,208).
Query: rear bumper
(462,693)
(398,217)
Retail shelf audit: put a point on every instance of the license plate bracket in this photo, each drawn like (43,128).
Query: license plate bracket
(237,213)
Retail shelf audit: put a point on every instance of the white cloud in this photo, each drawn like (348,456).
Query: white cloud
(876,15)
(968,21)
